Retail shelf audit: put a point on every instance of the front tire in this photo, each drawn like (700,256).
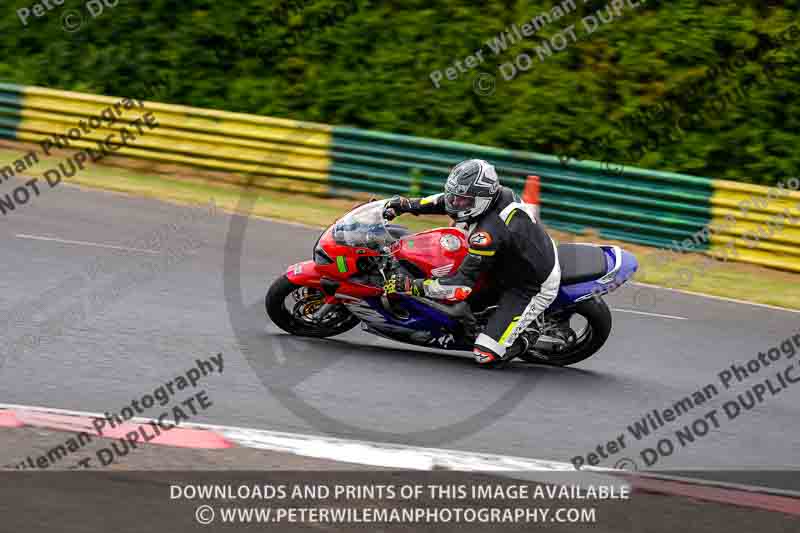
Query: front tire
(598,319)
(338,321)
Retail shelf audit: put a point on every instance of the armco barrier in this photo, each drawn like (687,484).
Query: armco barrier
(641,206)
(275,153)
(761,235)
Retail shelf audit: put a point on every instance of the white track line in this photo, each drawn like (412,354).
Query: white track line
(353,451)
(648,314)
(416,458)
(317,227)
(85,243)
(378,454)
(734,300)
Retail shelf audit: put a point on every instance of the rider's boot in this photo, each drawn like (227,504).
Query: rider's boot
(519,347)
(490,359)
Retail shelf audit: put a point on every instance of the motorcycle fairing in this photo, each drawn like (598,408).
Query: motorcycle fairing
(343,249)
(436,252)
(409,320)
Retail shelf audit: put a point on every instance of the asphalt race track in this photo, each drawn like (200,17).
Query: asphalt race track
(357,386)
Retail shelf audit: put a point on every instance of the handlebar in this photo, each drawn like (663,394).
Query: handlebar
(389,214)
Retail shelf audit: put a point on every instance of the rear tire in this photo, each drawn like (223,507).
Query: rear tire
(281,289)
(598,317)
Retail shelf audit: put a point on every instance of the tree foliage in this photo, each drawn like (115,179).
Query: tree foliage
(367,63)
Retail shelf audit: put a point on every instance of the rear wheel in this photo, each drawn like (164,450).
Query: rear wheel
(293,308)
(572,336)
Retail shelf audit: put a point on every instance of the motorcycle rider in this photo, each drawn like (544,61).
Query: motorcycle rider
(505,239)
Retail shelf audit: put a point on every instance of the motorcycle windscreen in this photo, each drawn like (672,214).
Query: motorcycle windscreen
(363,227)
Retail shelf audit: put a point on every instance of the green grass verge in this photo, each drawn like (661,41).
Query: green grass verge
(733,280)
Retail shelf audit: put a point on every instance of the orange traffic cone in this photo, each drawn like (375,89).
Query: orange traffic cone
(531,193)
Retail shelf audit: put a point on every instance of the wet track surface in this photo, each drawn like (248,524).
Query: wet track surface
(140,331)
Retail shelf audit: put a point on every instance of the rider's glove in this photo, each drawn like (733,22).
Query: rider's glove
(396,206)
(403,284)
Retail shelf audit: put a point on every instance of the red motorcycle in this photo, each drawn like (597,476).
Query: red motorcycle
(343,286)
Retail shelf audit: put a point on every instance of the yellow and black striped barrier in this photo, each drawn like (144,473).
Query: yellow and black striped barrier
(763,223)
(272,152)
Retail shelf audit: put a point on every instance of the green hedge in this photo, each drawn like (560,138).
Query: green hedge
(366,63)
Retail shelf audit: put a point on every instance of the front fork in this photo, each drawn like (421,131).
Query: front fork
(325,308)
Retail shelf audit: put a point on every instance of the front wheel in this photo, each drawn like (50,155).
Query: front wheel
(572,336)
(292,308)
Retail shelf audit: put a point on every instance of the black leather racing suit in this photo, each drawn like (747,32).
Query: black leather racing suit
(509,243)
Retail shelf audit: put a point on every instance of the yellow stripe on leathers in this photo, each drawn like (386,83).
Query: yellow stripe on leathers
(482,252)
(509,329)
(751,233)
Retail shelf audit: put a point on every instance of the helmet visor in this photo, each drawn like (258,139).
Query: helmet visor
(458,202)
